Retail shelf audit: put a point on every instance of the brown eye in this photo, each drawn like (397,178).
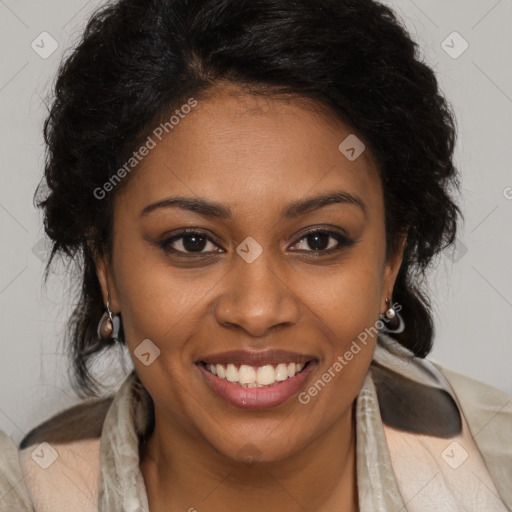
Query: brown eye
(323,241)
(189,242)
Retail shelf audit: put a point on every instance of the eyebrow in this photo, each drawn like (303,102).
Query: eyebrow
(293,210)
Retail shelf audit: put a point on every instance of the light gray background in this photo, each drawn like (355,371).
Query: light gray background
(471,288)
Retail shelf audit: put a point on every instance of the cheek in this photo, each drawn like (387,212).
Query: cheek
(347,308)
(347,299)
(348,312)
(158,302)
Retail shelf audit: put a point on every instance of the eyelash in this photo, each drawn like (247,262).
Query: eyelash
(343,243)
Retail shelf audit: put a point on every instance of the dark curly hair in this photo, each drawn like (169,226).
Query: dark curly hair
(140,59)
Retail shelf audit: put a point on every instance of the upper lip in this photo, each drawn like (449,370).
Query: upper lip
(260,358)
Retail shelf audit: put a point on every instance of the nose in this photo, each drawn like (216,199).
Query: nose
(256,298)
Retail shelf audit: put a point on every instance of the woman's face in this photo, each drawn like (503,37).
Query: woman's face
(254,280)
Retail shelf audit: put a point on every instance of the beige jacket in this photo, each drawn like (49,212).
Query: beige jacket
(427,439)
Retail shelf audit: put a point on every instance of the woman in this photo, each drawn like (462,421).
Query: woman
(254,191)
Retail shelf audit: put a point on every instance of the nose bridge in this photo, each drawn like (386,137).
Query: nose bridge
(257,297)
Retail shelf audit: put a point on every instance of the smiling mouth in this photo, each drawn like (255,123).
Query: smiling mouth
(247,376)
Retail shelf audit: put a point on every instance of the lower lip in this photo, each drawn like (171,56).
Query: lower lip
(257,398)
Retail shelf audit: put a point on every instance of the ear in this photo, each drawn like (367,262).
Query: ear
(107,282)
(391,269)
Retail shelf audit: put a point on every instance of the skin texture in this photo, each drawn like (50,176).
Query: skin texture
(254,155)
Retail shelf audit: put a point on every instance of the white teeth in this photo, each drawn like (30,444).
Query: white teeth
(281,372)
(252,377)
(247,375)
(266,375)
(221,372)
(231,373)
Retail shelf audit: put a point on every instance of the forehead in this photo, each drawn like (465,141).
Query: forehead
(245,150)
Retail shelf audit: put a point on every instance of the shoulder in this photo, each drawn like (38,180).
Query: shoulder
(80,422)
(63,453)
(477,394)
(487,409)
(13,493)
(488,412)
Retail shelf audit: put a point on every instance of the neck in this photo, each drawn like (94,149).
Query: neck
(186,472)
